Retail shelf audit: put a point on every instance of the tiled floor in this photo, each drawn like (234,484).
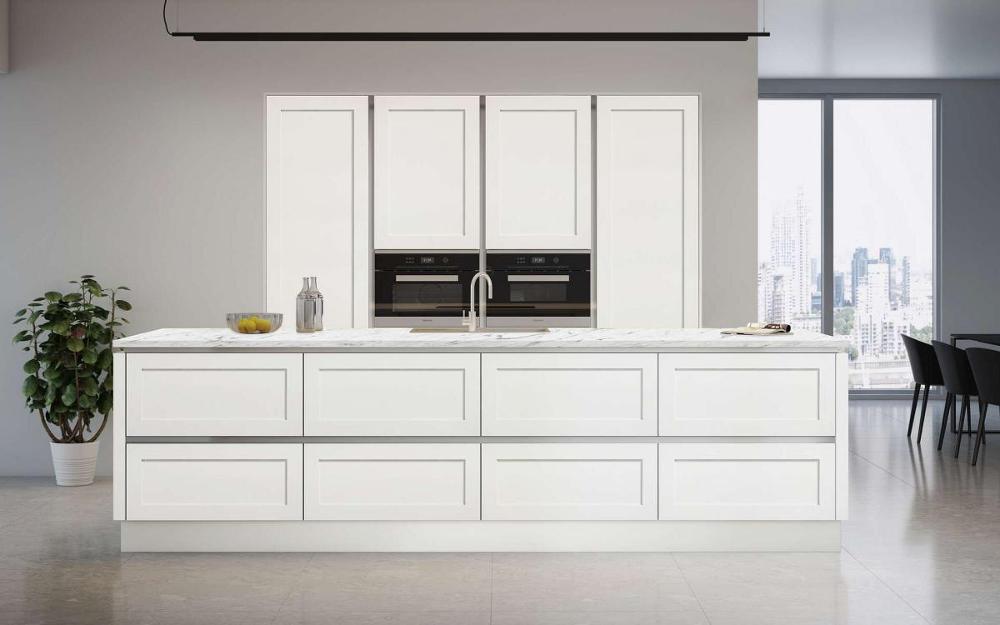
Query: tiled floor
(922,546)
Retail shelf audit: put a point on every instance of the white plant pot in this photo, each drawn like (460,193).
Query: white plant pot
(75,463)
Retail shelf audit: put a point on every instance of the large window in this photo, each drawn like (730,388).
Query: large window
(879,196)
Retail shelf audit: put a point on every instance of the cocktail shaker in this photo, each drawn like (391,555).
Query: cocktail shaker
(309,307)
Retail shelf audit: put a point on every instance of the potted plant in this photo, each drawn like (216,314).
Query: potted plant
(68,338)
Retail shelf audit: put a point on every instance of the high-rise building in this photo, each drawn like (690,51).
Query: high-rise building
(859,268)
(838,289)
(790,258)
(906,288)
(886,256)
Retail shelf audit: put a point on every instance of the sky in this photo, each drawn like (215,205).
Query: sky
(883,173)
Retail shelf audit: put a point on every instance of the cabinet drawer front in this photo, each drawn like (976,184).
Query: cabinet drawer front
(392,395)
(569,394)
(214,394)
(747,394)
(213,482)
(392,481)
(569,481)
(747,481)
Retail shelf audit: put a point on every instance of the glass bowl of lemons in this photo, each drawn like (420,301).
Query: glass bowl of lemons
(253,323)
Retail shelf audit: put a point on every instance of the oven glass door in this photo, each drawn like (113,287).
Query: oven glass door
(543,295)
(401,294)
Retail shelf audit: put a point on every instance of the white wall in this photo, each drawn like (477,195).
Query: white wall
(139,158)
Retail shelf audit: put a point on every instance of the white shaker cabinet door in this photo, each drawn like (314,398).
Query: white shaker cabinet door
(538,173)
(317,205)
(214,482)
(747,481)
(393,481)
(245,394)
(569,481)
(569,394)
(427,172)
(392,394)
(648,212)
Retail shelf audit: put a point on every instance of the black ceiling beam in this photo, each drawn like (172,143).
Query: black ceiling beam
(473,36)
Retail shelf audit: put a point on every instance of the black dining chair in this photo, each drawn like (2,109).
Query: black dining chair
(958,382)
(985,365)
(926,373)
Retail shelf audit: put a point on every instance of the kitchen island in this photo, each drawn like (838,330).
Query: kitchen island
(566,440)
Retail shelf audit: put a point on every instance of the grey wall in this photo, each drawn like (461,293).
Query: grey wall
(139,158)
(969,217)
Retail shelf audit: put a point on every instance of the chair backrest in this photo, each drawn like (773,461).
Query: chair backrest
(923,362)
(955,369)
(986,369)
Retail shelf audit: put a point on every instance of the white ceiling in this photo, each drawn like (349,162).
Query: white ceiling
(881,39)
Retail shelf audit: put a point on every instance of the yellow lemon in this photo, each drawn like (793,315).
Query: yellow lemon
(251,324)
(263,325)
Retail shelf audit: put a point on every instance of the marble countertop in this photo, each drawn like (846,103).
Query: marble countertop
(401,339)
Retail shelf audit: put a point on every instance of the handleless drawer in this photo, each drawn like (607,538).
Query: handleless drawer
(569,481)
(747,481)
(730,394)
(393,481)
(245,394)
(569,394)
(213,482)
(392,394)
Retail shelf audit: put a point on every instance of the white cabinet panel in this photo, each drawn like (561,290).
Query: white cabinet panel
(569,481)
(426,172)
(538,172)
(648,212)
(214,482)
(730,394)
(747,481)
(246,394)
(317,205)
(392,481)
(569,394)
(392,394)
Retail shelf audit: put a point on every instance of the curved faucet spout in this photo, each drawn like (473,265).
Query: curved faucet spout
(470,320)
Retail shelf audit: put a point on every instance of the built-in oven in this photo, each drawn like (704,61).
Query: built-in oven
(415,289)
(550,289)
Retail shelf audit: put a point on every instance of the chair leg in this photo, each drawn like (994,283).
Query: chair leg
(979,436)
(949,405)
(966,410)
(913,409)
(923,411)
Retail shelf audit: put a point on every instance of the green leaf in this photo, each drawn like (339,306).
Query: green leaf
(74,344)
(50,394)
(105,359)
(89,386)
(22,336)
(53,296)
(86,276)
(86,401)
(21,312)
(51,373)
(31,366)
(89,356)
(30,386)
(72,297)
(123,288)
(123,305)
(105,403)
(69,395)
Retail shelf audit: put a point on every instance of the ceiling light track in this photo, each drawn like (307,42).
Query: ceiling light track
(488,36)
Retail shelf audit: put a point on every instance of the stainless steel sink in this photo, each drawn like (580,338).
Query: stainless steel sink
(477,331)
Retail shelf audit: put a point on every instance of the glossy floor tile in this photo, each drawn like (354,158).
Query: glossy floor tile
(922,546)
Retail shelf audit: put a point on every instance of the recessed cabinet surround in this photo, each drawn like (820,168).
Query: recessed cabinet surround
(387,440)
(214,395)
(538,172)
(427,172)
(569,394)
(392,394)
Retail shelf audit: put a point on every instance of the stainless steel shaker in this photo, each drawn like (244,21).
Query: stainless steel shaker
(309,307)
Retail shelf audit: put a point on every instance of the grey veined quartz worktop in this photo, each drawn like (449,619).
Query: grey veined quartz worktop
(401,339)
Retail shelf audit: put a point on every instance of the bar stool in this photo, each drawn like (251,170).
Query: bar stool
(926,373)
(986,369)
(958,382)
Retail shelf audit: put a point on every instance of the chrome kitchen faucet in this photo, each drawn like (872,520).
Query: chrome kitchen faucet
(469,319)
